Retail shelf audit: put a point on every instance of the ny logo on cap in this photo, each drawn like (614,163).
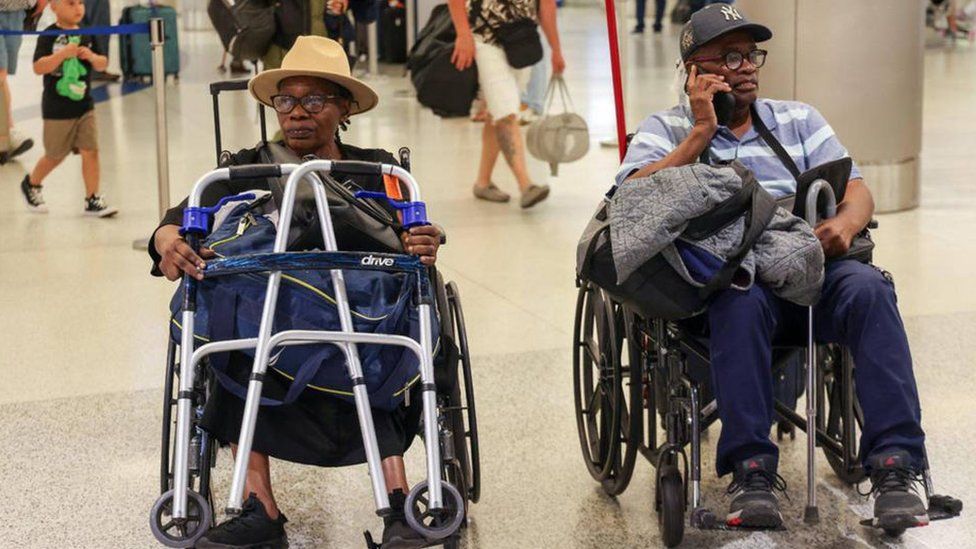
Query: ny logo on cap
(731,14)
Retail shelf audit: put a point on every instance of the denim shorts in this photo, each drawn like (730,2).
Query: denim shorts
(10,45)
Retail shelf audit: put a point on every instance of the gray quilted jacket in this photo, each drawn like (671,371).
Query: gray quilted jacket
(648,215)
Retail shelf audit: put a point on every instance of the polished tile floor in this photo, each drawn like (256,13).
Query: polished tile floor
(83,334)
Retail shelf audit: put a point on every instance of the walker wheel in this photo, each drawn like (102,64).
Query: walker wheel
(185,532)
(434,523)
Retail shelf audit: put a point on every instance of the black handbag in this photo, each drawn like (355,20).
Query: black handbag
(519,39)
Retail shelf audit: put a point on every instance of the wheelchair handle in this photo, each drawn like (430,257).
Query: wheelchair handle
(196,220)
(817,188)
(414,213)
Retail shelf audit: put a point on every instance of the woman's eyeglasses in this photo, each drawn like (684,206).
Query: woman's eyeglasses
(312,103)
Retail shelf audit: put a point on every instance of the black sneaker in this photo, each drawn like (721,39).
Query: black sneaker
(252,529)
(95,206)
(897,505)
(18,146)
(753,504)
(397,534)
(32,194)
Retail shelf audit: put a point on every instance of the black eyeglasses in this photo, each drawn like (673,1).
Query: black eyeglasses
(733,60)
(312,103)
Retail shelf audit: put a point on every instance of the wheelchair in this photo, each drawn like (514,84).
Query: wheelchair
(642,386)
(437,507)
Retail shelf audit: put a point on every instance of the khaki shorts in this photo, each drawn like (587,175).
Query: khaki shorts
(62,137)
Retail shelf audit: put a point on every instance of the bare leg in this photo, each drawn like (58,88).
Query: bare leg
(44,167)
(90,171)
(6,121)
(395,474)
(489,153)
(258,481)
(513,148)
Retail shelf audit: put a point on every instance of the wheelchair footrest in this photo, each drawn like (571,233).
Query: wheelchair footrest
(705,519)
(944,507)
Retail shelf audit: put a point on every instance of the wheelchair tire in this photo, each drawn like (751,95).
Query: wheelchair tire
(199,520)
(469,441)
(632,408)
(597,380)
(843,418)
(671,505)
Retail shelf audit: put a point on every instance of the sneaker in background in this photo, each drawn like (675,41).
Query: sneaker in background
(95,206)
(18,146)
(32,194)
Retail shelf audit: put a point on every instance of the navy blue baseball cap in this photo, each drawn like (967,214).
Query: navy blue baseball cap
(716,20)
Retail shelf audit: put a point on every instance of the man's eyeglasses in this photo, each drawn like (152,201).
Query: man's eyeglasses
(312,103)
(733,60)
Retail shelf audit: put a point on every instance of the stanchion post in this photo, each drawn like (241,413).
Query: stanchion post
(157,39)
(374,54)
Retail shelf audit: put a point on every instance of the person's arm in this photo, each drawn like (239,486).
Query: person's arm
(49,63)
(463,55)
(547,20)
(853,215)
(98,62)
(701,90)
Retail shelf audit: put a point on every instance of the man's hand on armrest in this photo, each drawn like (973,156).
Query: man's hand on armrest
(423,241)
(176,255)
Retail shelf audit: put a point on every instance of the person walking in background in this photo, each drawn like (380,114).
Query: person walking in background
(98,13)
(67,63)
(659,8)
(477,41)
(12,13)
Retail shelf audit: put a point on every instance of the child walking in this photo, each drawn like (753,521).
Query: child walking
(67,62)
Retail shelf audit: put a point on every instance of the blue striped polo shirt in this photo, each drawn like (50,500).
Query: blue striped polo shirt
(800,128)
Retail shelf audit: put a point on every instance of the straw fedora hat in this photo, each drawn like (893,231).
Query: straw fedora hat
(319,57)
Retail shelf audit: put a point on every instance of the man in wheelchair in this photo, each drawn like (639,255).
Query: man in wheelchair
(313,96)
(858,309)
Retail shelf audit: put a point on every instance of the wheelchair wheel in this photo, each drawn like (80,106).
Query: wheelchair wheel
(434,524)
(185,532)
(596,380)
(631,397)
(670,505)
(843,418)
(466,427)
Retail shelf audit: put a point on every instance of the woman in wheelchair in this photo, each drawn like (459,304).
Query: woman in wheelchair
(858,306)
(313,96)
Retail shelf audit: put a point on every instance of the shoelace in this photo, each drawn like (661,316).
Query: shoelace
(758,480)
(34,192)
(97,202)
(241,521)
(900,479)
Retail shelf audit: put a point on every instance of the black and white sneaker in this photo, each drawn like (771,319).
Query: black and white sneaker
(897,505)
(252,529)
(95,206)
(18,146)
(754,505)
(32,194)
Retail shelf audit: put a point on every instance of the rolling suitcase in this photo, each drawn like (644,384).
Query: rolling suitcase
(135,51)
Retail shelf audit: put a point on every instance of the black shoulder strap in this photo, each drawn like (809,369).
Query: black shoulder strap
(770,139)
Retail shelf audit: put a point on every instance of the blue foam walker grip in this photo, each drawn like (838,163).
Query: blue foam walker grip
(414,213)
(197,220)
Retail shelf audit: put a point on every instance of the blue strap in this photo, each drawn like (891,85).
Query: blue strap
(131,28)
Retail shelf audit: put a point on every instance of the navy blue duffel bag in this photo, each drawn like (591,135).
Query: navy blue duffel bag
(229,307)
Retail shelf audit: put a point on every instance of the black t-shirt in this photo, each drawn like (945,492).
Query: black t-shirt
(55,106)
(217,190)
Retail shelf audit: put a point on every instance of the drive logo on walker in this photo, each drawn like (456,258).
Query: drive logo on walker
(373,261)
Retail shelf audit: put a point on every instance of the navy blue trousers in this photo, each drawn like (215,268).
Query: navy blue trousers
(857,309)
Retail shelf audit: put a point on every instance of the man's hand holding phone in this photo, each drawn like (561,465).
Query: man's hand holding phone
(701,90)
